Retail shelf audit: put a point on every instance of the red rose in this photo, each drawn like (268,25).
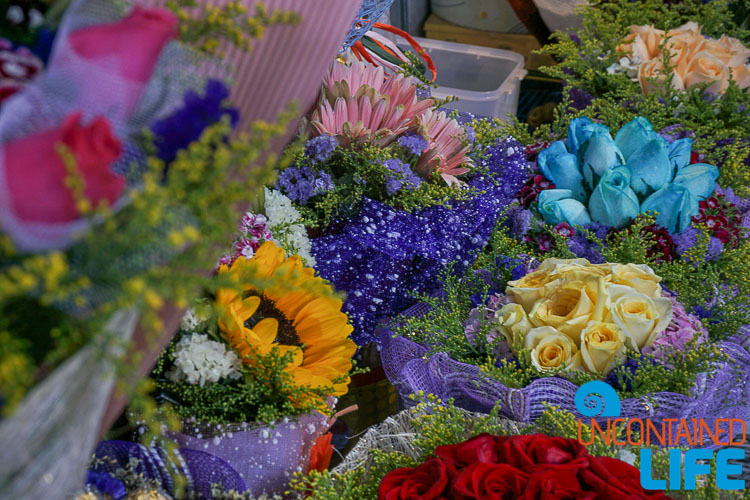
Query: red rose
(35,173)
(489,481)
(481,448)
(429,481)
(555,485)
(614,479)
(537,452)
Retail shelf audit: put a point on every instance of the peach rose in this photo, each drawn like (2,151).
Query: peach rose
(741,75)
(738,53)
(706,68)
(692,28)
(652,72)
(643,42)
(682,48)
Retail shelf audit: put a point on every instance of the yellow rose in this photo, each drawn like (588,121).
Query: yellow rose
(513,323)
(550,350)
(639,316)
(741,75)
(527,290)
(652,72)
(602,346)
(643,42)
(555,266)
(705,68)
(568,308)
(639,276)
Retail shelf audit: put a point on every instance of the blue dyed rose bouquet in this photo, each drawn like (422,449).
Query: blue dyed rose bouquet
(392,190)
(590,187)
(611,181)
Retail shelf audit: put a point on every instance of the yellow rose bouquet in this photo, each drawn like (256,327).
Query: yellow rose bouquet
(520,334)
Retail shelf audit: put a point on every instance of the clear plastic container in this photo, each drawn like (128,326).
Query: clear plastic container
(486,81)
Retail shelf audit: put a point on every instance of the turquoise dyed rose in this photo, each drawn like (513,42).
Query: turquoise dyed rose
(611,181)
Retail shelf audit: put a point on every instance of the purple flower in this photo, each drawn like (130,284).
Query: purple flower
(106,484)
(681,330)
(414,143)
(302,183)
(471,135)
(403,177)
(519,220)
(320,148)
(186,124)
(566,230)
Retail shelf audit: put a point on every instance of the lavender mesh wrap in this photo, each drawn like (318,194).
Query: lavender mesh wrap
(382,253)
(202,470)
(407,366)
(264,457)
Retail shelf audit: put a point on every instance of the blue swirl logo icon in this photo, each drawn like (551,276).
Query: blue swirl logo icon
(597,399)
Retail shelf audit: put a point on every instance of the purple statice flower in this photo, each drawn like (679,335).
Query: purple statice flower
(685,240)
(681,330)
(676,132)
(518,220)
(715,247)
(518,266)
(621,378)
(582,247)
(105,484)
(302,183)
(186,124)
(403,177)
(471,134)
(483,315)
(414,143)
(320,148)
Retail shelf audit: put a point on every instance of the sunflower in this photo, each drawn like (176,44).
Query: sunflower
(289,316)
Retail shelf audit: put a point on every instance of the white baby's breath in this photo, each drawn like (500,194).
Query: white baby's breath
(198,360)
(285,222)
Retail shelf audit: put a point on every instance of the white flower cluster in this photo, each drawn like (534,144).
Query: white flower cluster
(199,360)
(285,222)
(626,65)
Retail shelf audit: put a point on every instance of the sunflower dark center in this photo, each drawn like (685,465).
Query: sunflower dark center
(286,334)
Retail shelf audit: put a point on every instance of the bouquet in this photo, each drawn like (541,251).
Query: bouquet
(559,324)
(262,371)
(435,450)
(392,189)
(110,215)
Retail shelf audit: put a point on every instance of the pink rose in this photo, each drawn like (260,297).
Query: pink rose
(35,173)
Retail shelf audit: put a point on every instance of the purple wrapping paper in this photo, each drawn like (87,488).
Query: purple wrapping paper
(265,458)
(407,366)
